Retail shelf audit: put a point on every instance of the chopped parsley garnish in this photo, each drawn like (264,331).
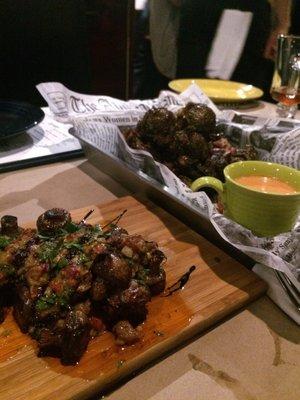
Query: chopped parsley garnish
(73,245)
(48,251)
(63,262)
(70,227)
(96,229)
(4,241)
(46,302)
(62,300)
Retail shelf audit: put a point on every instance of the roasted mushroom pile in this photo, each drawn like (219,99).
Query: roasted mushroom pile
(188,143)
(67,281)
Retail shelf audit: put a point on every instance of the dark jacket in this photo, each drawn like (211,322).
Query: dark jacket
(199,20)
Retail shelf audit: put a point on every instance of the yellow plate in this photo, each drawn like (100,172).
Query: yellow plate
(220,91)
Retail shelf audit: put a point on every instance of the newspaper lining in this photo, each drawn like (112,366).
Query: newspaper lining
(46,139)
(100,120)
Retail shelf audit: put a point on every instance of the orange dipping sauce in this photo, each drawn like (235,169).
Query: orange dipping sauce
(265,184)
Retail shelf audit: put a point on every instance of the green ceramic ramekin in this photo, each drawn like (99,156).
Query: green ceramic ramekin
(265,214)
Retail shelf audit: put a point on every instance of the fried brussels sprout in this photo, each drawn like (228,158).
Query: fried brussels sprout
(246,153)
(157,121)
(132,137)
(192,144)
(197,117)
(189,143)
(215,164)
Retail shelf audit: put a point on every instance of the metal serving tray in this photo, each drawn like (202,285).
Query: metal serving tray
(141,184)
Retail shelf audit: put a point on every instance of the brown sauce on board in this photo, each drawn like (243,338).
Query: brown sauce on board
(167,316)
(266,184)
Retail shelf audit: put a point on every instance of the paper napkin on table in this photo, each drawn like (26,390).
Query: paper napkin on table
(276,292)
(228,43)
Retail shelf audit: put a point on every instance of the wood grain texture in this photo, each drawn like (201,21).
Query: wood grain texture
(219,286)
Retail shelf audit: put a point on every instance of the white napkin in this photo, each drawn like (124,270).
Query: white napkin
(140,4)
(276,292)
(228,43)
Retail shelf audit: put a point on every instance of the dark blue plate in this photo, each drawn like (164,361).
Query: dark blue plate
(17,117)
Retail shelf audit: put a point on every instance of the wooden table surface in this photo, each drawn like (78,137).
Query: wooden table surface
(253,355)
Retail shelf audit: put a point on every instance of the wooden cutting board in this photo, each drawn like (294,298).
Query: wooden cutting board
(218,286)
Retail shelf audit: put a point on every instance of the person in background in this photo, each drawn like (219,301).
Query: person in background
(178,34)
(155,62)
(198,24)
(281,21)
(295,18)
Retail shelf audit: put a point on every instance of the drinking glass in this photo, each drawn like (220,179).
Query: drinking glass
(285,86)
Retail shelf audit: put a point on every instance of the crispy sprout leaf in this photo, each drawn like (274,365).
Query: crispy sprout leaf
(63,262)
